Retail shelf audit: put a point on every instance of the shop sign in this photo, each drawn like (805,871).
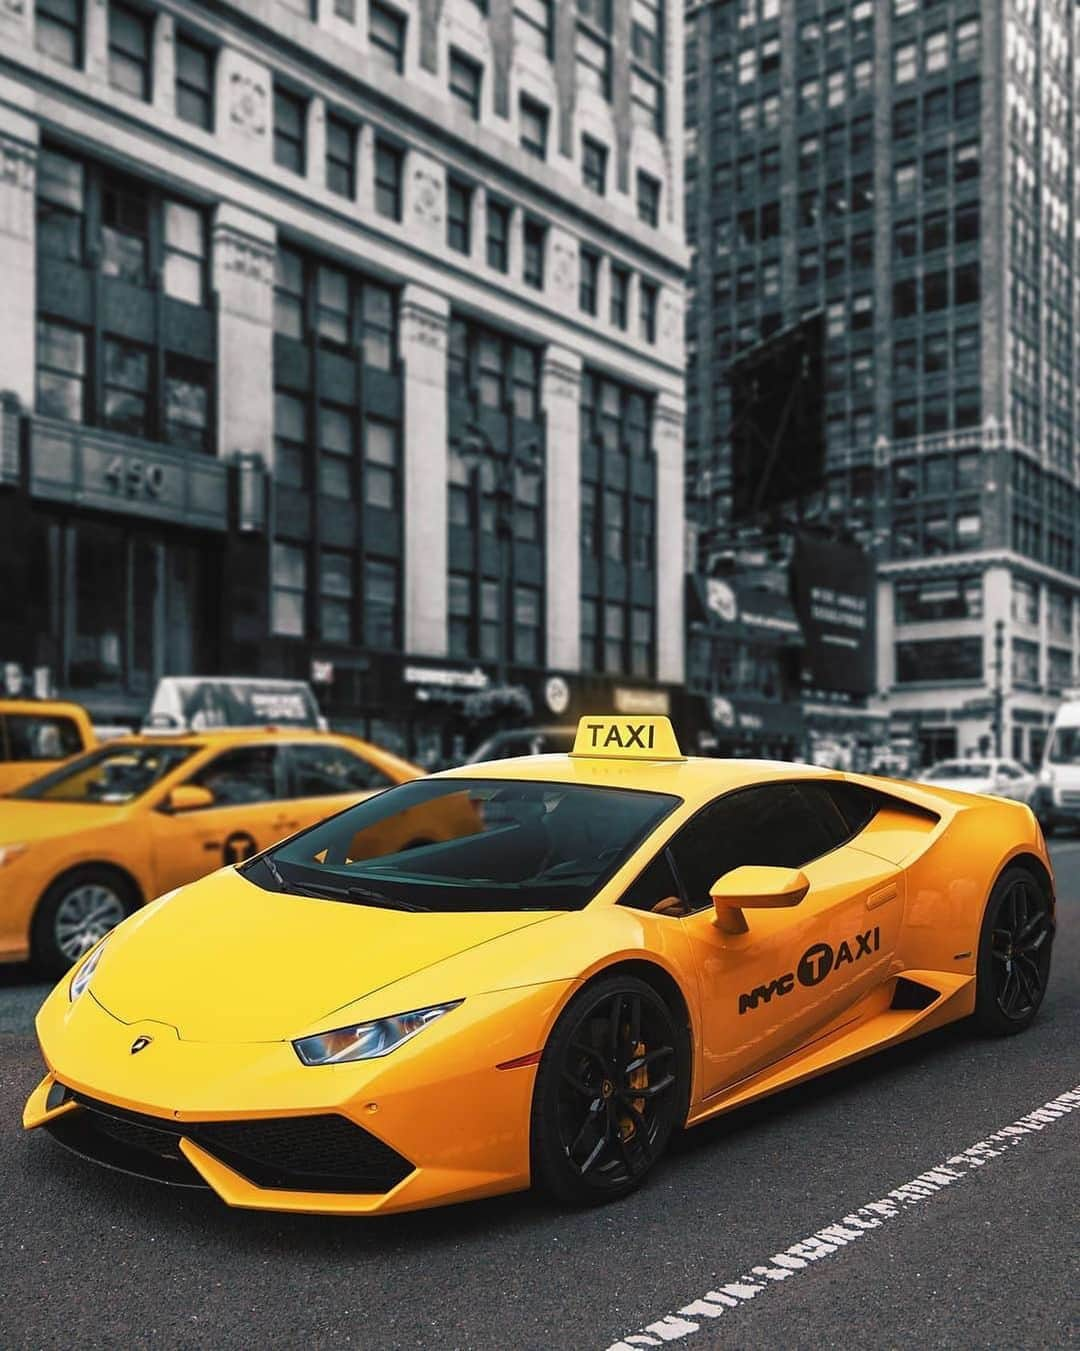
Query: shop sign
(194,703)
(834,588)
(722,711)
(92,469)
(720,600)
(447,678)
(642,701)
(557,694)
(13,679)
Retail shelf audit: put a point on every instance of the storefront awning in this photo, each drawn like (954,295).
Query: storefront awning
(732,607)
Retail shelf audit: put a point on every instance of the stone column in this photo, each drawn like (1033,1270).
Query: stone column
(96,34)
(560,397)
(16,24)
(423,323)
(424,207)
(244,96)
(244,280)
(315,144)
(668,439)
(18,273)
(163,88)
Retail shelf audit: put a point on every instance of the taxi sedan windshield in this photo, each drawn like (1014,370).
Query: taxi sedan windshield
(112,775)
(459,845)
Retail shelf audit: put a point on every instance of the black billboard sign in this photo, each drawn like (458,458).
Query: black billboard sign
(833,588)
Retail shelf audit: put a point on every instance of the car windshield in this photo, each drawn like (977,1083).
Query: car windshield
(112,775)
(454,845)
(1065,747)
(961,769)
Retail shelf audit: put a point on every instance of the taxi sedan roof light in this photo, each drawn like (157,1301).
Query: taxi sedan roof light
(626,738)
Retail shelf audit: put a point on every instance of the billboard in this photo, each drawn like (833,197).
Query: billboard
(834,592)
(778,419)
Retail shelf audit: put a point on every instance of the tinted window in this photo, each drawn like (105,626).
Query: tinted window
(776,825)
(320,770)
(457,845)
(34,737)
(655,889)
(114,774)
(242,776)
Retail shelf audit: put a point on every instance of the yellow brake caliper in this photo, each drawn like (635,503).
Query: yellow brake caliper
(639,1078)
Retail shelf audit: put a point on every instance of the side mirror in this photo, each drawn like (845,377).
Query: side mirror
(189,797)
(757,888)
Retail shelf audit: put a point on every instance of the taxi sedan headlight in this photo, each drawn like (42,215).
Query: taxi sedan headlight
(82,977)
(367,1041)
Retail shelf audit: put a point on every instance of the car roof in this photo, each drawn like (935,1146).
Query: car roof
(695,779)
(224,736)
(45,707)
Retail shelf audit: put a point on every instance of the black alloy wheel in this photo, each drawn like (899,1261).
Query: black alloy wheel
(1014,953)
(609,1092)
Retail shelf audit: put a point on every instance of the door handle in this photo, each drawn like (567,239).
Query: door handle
(882,896)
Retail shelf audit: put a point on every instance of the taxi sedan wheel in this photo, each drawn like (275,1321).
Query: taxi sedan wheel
(1014,954)
(608,1092)
(75,912)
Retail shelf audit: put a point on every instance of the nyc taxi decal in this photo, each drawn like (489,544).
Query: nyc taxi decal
(817,962)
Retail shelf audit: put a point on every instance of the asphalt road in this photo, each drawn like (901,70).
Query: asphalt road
(986,1255)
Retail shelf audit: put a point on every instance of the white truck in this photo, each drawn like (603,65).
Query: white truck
(1056,799)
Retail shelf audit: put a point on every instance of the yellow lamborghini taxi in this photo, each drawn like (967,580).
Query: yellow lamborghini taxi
(533,971)
(84,845)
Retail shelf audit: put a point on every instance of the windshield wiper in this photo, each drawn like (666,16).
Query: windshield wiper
(274,871)
(351,892)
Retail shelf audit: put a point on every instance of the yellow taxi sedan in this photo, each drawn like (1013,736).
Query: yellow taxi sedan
(85,845)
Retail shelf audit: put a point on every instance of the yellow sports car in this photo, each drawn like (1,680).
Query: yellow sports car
(592,950)
(83,846)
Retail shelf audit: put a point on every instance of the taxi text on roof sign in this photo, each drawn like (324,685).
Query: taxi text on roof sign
(627,738)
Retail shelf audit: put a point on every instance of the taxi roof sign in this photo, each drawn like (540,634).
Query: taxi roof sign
(626,737)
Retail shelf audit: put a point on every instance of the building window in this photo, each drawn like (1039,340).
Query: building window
(646,102)
(336,452)
(61,206)
(966,38)
(966,284)
(466,78)
(289,585)
(58,27)
(194,82)
(382,603)
(498,236)
(588,280)
(335,596)
(533,25)
(130,47)
(501,371)
(646,33)
(290,441)
(594,158)
(341,157)
(592,59)
(533,127)
(460,607)
(641,642)
(535,235)
(459,215)
(187,403)
(939,659)
(647,327)
(386,37)
(380,464)
(336,307)
(648,199)
(388,159)
(935,51)
(620,294)
(614,637)
(61,371)
(526,625)
(588,635)
(184,270)
(290,115)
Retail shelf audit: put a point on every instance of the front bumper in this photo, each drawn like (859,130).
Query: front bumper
(432,1123)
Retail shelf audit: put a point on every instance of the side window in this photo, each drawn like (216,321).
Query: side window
(655,889)
(774,825)
(858,806)
(321,770)
(245,775)
(31,737)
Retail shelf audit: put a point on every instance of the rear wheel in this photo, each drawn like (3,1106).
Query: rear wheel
(74,913)
(608,1092)
(1014,954)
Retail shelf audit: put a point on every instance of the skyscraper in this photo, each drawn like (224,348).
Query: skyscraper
(908,169)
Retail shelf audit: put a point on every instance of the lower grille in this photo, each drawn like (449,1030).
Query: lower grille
(325,1153)
(1068,797)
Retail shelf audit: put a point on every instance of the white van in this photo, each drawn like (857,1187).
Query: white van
(1056,800)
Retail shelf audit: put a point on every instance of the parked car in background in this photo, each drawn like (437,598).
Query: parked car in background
(524,741)
(1002,778)
(36,734)
(1056,799)
(88,843)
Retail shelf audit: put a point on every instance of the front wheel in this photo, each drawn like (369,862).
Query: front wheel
(73,914)
(608,1092)
(1014,954)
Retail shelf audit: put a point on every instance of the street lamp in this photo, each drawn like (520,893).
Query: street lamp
(476,449)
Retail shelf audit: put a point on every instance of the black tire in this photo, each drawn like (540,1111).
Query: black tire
(1014,954)
(100,896)
(610,1089)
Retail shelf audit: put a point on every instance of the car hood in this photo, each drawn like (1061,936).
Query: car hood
(982,784)
(22,822)
(222,960)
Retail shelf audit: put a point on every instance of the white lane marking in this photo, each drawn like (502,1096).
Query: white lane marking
(824,1242)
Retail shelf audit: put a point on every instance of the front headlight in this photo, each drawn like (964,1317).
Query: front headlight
(81,979)
(367,1041)
(1046,775)
(10,852)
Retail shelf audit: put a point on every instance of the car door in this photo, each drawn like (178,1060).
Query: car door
(796,970)
(325,777)
(248,784)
